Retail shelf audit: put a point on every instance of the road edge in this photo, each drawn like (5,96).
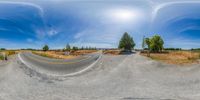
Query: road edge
(29,66)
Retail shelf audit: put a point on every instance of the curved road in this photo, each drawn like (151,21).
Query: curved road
(57,66)
(123,77)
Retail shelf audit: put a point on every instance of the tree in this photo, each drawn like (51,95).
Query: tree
(75,48)
(156,43)
(147,43)
(143,42)
(126,42)
(45,48)
(2,48)
(68,48)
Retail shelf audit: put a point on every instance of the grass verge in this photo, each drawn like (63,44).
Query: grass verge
(176,57)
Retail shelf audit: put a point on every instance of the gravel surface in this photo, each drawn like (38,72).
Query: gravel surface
(125,77)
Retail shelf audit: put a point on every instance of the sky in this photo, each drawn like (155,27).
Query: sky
(97,23)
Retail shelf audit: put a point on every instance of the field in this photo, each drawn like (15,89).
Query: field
(176,57)
(62,55)
(112,52)
(7,52)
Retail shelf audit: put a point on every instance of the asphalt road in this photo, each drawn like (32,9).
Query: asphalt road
(124,77)
(58,66)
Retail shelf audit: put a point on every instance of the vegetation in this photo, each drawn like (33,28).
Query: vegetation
(172,49)
(154,44)
(74,48)
(68,48)
(126,43)
(2,48)
(45,48)
(176,57)
(1,57)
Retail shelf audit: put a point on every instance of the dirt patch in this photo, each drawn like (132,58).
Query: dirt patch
(176,57)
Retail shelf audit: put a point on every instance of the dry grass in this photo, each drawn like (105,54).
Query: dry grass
(176,57)
(112,52)
(53,54)
(61,54)
(82,52)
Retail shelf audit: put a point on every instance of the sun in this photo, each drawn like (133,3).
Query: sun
(123,15)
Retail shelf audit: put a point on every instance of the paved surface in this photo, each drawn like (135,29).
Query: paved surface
(57,66)
(125,77)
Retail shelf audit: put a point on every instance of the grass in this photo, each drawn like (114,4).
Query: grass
(53,54)
(82,52)
(62,55)
(176,57)
(7,52)
(112,52)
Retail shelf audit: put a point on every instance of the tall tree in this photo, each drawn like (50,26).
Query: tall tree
(45,48)
(156,43)
(126,42)
(147,43)
(68,48)
(143,42)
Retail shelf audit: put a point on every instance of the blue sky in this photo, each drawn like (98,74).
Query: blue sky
(33,23)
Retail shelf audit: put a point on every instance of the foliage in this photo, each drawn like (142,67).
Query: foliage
(155,43)
(75,48)
(173,49)
(126,42)
(68,48)
(147,42)
(1,57)
(2,48)
(45,48)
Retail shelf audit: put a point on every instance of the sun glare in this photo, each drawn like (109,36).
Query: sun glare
(123,15)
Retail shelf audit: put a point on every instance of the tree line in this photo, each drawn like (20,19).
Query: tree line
(69,48)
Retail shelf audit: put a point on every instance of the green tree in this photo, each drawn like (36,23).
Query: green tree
(147,43)
(75,48)
(68,48)
(156,43)
(143,42)
(126,42)
(45,48)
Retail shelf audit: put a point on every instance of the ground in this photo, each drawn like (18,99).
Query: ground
(176,57)
(122,77)
(62,55)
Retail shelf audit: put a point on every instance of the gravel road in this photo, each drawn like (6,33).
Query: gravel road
(124,77)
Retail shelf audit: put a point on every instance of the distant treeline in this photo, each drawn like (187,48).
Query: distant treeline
(2,48)
(172,49)
(195,49)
